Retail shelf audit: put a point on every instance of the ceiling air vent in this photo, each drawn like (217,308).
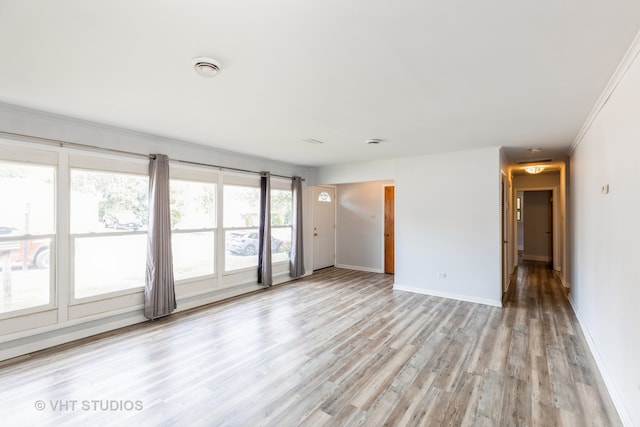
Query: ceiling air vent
(207,67)
(535,161)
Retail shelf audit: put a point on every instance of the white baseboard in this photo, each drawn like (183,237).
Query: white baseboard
(66,334)
(35,340)
(358,268)
(563,280)
(602,367)
(458,297)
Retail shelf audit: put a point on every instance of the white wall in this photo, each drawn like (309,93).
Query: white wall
(360,226)
(536,182)
(26,121)
(447,220)
(605,288)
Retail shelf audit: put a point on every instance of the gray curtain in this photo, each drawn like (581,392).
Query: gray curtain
(296,258)
(264,252)
(159,289)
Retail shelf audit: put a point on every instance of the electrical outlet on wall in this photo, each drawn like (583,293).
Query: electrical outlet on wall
(442,275)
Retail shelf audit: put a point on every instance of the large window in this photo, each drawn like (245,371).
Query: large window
(27,235)
(80,218)
(193,221)
(280,225)
(241,220)
(108,223)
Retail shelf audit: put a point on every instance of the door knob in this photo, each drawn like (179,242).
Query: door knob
(315,234)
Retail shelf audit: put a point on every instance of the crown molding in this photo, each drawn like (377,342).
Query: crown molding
(71,130)
(623,67)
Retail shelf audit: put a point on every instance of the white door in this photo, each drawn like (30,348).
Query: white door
(324,227)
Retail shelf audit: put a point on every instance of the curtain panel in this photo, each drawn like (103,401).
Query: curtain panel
(296,258)
(159,290)
(265,275)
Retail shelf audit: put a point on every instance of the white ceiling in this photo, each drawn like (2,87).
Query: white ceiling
(425,76)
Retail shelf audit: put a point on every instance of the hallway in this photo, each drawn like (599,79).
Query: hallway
(560,373)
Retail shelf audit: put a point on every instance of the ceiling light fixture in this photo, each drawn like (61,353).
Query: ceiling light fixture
(535,169)
(206,67)
(535,150)
(374,141)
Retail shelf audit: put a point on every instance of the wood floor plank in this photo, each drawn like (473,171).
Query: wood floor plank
(339,347)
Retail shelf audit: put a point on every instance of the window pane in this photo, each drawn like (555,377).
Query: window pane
(241,249)
(280,244)
(27,198)
(109,263)
(28,194)
(25,273)
(324,197)
(280,207)
(106,201)
(193,254)
(241,206)
(192,205)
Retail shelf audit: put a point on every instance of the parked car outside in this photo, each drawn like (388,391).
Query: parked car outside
(246,243)
(37,250)
(121,221)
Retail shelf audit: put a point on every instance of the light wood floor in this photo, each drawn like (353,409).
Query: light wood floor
(337,348)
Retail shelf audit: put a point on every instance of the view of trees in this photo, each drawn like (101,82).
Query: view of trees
(192,203)
(114,192)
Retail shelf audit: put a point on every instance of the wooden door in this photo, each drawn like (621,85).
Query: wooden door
(324,227)
(389,237)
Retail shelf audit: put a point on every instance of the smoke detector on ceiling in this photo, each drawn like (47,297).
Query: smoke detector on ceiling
(206,67)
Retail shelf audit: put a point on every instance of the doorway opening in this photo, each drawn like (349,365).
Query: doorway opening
(389,235)
(535,229)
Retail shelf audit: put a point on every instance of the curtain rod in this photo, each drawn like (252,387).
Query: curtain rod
(62,144)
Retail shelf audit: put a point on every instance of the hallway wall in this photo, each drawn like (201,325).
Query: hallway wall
(605,290)
(449,228)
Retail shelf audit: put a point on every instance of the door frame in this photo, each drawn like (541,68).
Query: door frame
(313,219)
(557,250)
(384,248)
(504,232)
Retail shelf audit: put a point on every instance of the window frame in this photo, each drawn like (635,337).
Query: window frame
(199,175)
(281,185)
(106,164)
(37,158)
(236,180)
